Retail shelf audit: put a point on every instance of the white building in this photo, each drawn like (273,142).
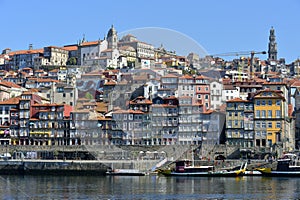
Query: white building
(151,88)
(229,92)
(143,50)
(216,94)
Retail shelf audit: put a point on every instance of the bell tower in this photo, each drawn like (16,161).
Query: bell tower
(272,51)
(112,38)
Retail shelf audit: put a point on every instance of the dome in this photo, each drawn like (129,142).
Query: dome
(112,31)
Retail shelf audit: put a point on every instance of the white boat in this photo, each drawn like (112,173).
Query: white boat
(125,172)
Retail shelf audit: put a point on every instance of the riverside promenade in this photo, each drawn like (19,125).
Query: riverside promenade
(97,159)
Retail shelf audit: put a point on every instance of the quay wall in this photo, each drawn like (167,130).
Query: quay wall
(51,167)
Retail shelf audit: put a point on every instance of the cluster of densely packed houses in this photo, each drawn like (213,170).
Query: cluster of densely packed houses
(127,92)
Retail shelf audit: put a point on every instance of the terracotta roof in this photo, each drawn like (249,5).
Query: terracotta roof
(296,83)
(27,68)
(11,101)
(33,90)
(128,111)
(33,51)
(54,71)
(236,100)
(170,76)
(186,76)
(90,43)
(47,105)
(201,77)
(9,84)
(41,80)
(70,48)
(278,92)
(164,105)
(140,100)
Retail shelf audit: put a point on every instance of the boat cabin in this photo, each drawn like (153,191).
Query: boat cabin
(188,166)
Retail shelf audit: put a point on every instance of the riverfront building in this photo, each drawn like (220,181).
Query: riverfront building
(155,97)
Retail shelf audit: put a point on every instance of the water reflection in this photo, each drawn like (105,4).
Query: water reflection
(148,187)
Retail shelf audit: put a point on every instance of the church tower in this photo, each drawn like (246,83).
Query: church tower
(112,38)
(272,52)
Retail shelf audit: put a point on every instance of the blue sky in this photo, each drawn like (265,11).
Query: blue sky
(218,26)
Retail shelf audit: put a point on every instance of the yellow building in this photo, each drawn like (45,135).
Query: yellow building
(269,116)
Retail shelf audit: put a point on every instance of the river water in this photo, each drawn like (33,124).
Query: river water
(147,187)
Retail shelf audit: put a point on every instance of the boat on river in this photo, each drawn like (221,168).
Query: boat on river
(125,172)
(285,167)
(185,168)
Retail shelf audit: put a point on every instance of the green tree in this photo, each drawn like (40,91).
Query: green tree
(89,95)
(72,61)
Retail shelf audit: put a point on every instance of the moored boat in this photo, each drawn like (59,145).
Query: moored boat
(125,172)
(285,167)
(184,168)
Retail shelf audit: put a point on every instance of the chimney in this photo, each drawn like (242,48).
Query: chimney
(30,46)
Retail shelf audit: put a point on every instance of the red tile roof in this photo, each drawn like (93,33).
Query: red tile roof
(33,51)
(11,101)
(70,48)
(236,100)
(90,43)
(9,84)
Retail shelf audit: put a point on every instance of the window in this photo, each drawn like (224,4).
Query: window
(270,102)
(64,94)
(263,102)
(229,123)
(263,124)
(277,113)
(278,102)
(236,122)
(60,89)
(278,125)
(269,113)
(269,124)
(257,124)
(263,114)
(257,113)
(257,102)
(229,134)
(6,110)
